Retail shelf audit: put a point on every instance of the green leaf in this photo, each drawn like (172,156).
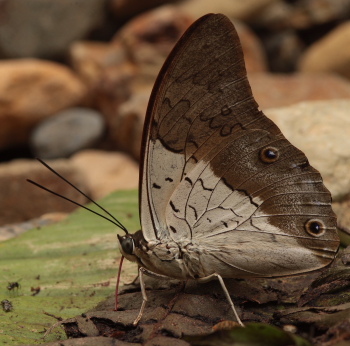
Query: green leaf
(77,261)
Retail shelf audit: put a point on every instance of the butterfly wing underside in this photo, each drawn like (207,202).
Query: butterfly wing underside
(208,178)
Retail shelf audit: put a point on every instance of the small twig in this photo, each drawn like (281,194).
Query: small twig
(51,315)
(59,319)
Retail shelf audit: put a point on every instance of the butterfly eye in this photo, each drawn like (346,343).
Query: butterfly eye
(315,227)
(128,245)
(269,154)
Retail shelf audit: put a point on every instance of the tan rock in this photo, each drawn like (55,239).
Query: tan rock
(105,172)
(329,54)
(342,210)
(127,127)
(32,90)
(235,9)
(308,14)
(129,8)
(90,59)
(149,37)
(277,90)
(322,130)
(254,54)
(21,201)
(115,87)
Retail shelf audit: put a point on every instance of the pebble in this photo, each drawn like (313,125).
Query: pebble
(67,132)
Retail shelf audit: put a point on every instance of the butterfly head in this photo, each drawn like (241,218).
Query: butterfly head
(129,243)
(127,246)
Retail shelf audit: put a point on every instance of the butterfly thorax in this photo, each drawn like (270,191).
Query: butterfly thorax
(165,257)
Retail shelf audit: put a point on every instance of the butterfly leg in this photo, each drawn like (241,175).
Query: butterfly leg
(143,271)
(227,294)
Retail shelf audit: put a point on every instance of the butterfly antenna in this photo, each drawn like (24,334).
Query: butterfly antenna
(114,221)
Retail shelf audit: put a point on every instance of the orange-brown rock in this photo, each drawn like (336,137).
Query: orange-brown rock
(32,90)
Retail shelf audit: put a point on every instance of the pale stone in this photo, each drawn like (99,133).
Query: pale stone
(279,90)
(105,172)
(68,132)
(321,129)
(329,54)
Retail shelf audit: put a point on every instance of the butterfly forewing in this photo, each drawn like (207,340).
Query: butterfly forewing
(218,175)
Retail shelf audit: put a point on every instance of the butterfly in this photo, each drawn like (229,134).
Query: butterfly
(223,194)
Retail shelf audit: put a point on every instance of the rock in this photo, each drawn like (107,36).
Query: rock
(254,54)
(115,87)
(274,17)
(149,37)
(32,90)
(342,210)
(308,13)
(329,54)
(127,127)
(321,129)
(283,48)
(38,28)
(21,201)
(125,9)
(235,9)
(90,59)
(303,14)
(67,132)
(277,90)
(105,172)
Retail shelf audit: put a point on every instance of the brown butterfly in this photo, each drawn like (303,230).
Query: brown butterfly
(223,194)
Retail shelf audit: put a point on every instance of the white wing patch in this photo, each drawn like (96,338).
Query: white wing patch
(161,176)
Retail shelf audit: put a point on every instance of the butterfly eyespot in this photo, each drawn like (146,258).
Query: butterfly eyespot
(128,245)
(269,154)
(315,227)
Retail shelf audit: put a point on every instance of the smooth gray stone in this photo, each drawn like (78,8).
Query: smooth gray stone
(66,133)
